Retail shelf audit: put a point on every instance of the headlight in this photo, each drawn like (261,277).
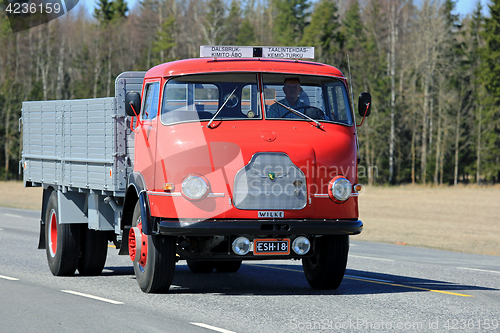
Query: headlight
(301,245)
(241,246)
(195,187)
(340,189)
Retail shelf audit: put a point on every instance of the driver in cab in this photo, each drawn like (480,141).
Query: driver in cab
(292,90)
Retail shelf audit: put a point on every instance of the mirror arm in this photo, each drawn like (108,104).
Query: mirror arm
(364,116)
(136,117)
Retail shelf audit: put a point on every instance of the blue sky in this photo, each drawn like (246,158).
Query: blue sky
(463,7)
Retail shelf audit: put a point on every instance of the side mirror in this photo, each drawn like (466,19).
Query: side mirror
(133,102)
(365,104)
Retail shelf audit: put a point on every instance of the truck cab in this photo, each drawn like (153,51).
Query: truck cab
(242,158)
(246,153)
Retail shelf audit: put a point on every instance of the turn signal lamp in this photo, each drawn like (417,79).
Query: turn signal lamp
(357,190)
(168,187)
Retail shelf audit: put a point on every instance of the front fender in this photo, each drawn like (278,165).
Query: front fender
(135,186)
(136,190)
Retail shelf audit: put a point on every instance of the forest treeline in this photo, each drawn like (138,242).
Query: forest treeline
(434,76)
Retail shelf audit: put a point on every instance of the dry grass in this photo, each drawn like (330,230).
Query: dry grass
(463,219)
(14,194)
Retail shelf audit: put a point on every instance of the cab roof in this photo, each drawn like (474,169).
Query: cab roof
(220,65)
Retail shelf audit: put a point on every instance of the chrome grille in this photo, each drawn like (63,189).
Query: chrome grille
(270,181)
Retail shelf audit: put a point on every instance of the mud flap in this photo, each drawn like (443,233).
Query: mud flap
(41,240)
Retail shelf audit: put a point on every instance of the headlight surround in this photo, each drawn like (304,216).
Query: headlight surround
(301,245)
(339,189)
(195,187)
(241,246)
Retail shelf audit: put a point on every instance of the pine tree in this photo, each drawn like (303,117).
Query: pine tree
(475,41)
(233,23)
(246,34)
(354,43)
(165,40)
(104,10)
(291,20)
(119,8)
(323,32)
(489,76)
(373,135)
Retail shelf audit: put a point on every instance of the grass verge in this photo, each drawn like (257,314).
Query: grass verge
(462,219)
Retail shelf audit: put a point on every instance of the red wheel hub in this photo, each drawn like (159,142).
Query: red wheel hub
(53,234)
(138,245)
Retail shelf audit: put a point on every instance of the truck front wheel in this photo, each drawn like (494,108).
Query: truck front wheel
(326,268)
(154,270)
(62,241)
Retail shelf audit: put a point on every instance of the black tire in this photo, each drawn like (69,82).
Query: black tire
(326,268)
(94,249)
(198,267)
(158,273)
(227,266)
(63,253)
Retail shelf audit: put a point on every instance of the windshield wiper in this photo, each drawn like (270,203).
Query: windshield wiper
(318,125)
(220,109)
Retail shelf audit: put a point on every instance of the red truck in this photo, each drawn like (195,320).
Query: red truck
(246,153)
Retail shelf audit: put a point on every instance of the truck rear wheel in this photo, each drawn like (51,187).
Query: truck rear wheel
(198,267)
(227,266)
(326,268)
(94,249)
(155,271)
(62,241)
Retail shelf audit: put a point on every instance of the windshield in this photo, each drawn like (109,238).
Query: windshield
(320,98)
(199,97)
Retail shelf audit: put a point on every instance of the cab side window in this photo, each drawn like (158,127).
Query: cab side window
(339,103)
(151,99)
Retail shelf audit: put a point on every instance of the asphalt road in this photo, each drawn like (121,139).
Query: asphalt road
(387,288)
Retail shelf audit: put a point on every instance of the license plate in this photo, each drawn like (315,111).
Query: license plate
(271,246)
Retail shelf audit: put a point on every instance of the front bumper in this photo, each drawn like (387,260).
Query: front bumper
(259,227)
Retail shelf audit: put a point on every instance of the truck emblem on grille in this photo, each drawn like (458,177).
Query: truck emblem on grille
(271,175)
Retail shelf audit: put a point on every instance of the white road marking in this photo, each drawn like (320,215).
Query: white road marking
(213,328)
(479,270)
(372,258)
(8,278)
(365,278)
(13,215)
(91,296)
